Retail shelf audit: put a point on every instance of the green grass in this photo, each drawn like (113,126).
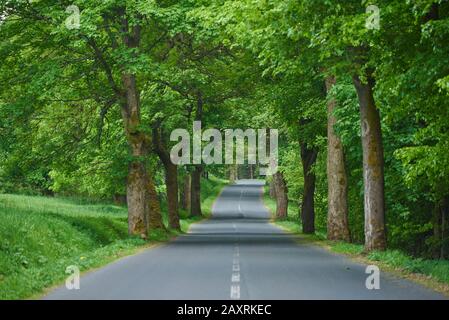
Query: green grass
(41,236)
(270,203)
(438,270)
(210,189)
(292,222)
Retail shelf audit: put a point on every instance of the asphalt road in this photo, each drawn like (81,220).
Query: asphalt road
(238,254)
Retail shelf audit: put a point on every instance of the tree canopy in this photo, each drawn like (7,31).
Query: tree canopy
(91,90)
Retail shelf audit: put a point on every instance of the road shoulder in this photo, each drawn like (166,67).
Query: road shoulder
(353,252)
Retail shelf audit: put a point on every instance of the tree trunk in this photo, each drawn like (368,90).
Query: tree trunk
(182,194)
(137,175)
(195,198)
(281,195)
(373,166)
(142,212)
(337,216)
(136,191)
(233,173)
(308,158)
(272,188)
(187,192)
(436,221)
(444,216)
(195,189)
(171,182)
(154,216)
(441,213)
(119,199)
(171,178)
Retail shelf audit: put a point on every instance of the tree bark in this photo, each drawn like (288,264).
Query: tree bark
(137,174)
(233,173)
(185,197)
(337,216)
(181,193)
(195,198)
(171,178)
(440,216)
(373,166)
(141,216)
(281,195)
(308,158)
(444,216)
(136,199)
(171,182)
(272,188)
(195,189)
(436,221)
(119,199)
(154,216)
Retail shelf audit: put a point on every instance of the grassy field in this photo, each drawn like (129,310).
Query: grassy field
(433,273)
(41,236)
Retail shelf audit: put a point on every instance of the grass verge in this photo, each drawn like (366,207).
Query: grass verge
(210,190)
(41,237)
(431,273)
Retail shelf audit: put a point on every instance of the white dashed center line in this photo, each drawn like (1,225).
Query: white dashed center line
(240,201)
(235,279)
(235,292)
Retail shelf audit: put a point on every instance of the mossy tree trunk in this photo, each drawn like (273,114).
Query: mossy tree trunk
(337,216)
(185,193)
(143,213)
(281,195)
(154,216)
(272,188)
(373,165)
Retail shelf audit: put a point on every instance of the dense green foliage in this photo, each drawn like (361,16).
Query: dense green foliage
(299,42)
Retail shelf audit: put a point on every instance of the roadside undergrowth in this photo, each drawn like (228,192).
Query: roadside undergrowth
(430,273)
(42,236)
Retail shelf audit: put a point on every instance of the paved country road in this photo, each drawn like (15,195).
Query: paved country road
(238,254)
